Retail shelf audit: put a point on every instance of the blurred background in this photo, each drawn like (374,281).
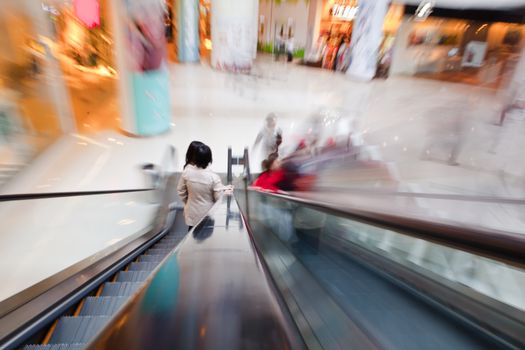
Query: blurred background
(408,108)
(411,97)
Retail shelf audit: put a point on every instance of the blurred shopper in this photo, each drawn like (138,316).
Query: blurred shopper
(272,174)
(290,49)
(190,153)
(343,56)
(280,44)
(270,136)
(199,187)
(446,133)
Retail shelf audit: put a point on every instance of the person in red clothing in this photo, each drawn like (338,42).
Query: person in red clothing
(272,174)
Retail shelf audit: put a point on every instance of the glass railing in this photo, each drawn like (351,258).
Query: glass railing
(349,280)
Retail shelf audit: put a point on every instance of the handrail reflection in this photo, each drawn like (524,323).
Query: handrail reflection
(496,244)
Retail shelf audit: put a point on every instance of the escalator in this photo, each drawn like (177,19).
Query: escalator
(265,270)
(93,312)
(352,279)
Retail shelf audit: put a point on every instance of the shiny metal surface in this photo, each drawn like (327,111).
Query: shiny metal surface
(504,246)
(211,293)
(44,301)
(327,256)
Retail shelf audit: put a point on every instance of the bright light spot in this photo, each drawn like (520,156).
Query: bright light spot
(384,144)
(82,143)
(120,143)
(130,203)
(207,44)
(396,138)
(405,149)
(111,139)
(126,222)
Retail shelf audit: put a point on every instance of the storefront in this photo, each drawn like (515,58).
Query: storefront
(472,50)
(332,49)
(33,103)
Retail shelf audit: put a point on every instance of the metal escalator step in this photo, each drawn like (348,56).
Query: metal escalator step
(151,258)
(133,276)
(119,289)
(167,244)
(101,306)
(168,247)
(55,347)
(142,266)
(71,330)
(154,251)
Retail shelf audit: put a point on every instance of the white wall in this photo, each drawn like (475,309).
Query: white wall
(298,11)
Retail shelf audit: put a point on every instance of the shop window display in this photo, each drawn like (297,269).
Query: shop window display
(463,51)
(29,117)
(85,53)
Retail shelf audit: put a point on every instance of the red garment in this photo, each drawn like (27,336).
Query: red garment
(269,180)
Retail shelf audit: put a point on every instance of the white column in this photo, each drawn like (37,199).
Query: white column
(234,34)
(366,38)
(315,11)
(188,30)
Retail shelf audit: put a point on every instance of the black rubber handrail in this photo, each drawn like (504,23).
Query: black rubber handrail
(500,245)
(44,195)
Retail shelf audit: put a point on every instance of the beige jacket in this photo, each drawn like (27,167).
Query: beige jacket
(199,189)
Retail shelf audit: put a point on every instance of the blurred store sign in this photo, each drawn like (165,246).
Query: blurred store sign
(88,12)
(344,12)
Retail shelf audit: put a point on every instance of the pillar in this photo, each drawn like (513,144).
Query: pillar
(234,34)
(367,35)
(140,52)
(315,11)
(188,30)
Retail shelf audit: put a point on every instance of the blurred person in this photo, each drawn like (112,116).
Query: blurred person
(270,136)
(343,56)
(272,174)
(445,133)
(289,49)
(199,187)
(280,44)
(190,153)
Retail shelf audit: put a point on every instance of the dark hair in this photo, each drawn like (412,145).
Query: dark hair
(268,162)
(190,153)
(202,156)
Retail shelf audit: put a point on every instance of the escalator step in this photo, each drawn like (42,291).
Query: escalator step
(71,330)
(119,289)
(168,247)
(151,258)
(154,251)
(101,306)
(133,276)
(142,266)
(55,347)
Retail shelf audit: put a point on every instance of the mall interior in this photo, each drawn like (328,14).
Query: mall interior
(358,180)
